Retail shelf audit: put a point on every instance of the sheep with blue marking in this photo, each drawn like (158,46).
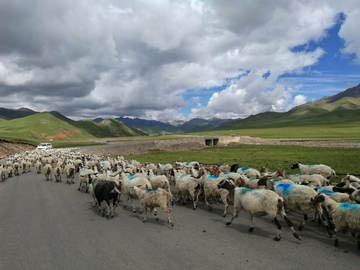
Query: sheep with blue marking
(261,202)
(159,181)
(130,182)
(322,169)
(186,185)
(152,198)
(249,173)
(300,198)
(312,179)
(211,191)
(346,217)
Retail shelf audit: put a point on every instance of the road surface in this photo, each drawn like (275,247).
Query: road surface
(49,225)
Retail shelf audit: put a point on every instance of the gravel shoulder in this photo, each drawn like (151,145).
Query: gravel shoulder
(121,147)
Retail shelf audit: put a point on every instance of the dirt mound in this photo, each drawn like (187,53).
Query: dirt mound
(9,148)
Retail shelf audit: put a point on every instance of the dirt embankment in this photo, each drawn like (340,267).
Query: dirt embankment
(9,148)
(143,147)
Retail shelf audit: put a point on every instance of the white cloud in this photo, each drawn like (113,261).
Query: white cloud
(91,58)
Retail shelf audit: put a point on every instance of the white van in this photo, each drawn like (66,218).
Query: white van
(44,146)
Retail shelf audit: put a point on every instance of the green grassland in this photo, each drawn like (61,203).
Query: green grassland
(35,128)
(342,160)
(60,130)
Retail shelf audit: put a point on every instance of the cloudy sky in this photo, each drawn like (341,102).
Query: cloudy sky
(169,60)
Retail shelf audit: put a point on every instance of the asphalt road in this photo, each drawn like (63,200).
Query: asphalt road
(49,225)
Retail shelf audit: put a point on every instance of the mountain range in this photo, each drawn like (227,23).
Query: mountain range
(28,125)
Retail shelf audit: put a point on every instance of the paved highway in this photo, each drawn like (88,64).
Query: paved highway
(49,225)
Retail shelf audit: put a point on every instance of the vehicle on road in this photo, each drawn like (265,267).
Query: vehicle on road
(44,146)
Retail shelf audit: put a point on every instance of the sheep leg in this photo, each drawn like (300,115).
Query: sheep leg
(108,207)
(318,210)
(128,198)
(252,223)
(154,213)
(133,206)
(336,240)
(209,205)
(278,232)
(357,239)
(291,226)
(303,222)
(145,213)
(224,200)
(236,214)
(195,199)
(167,210)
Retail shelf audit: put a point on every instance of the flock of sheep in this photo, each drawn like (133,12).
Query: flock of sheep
(259,193)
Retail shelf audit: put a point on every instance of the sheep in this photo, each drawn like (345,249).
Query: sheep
(159,181)
(10,171)
(211,191)
(344,186)
(57,173)
(225,168)
(48,172)
(38,166)
(163,169)
(129,182)
(261,202)
(2,173)
(322,169)
(84,176)
(249,173)
(70,173)
(313,179)
(300,198)
(151,198)
(16,168)
(265,171)
(105,191)
(353,180)
(23,166)
(345,217)
(337,196)
(187,185)
(28,166)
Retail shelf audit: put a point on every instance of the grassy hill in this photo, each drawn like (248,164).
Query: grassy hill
(41,127)
(329,120)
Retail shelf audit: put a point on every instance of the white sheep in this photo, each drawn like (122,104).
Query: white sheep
(249,173)
(211,191)
(2,173)
(300,198)
(10,171)
(16,168)
(312,179)
(129,182)
(70,173)
(151,198)
(48,172)
(84,178)
(354,181)
(322,169)
(346,217)
(57,173)
(163,169)
(261,202)
(337,196)
(38,166)
(187,185)
(159,181)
